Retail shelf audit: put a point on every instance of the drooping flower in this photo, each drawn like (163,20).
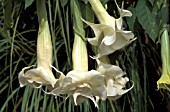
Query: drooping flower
(42,75)
(164,81)
(108,39)
(82,85)
(109,34)
(115,82)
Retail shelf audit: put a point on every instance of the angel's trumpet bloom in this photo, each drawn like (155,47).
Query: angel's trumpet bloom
(109,34)
(115,82)
(42,75)
(164,81)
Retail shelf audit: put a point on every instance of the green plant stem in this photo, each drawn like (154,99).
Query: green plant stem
(63,34)
(52,34)
(9,97)
(41,10)
(11,57)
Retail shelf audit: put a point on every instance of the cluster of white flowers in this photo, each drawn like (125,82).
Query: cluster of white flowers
(106,81)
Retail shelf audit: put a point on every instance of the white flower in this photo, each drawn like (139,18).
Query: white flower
(108,39)
(115,82)
(36,77)
(42,75)
(82,85)
(109,33)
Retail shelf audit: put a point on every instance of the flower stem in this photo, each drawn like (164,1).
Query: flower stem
(99,10)
(41,10)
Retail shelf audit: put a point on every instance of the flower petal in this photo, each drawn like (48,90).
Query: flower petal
(123,38)
(79,76)
(39,75)
(108,39)
(109,70)
(100,31)
(81,96)
(123,12)
(81,86)
(109,36)
(115,82)
(113,92)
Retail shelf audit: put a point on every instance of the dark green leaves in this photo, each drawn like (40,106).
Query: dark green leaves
(164,14)
(87,12)
(131,20)
(148,19)
(151,15)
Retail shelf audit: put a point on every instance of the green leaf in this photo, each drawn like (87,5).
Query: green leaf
(78,24)
(164,14)
(28,3)
(87,12)
(131,20)
(147,19)
(63,2)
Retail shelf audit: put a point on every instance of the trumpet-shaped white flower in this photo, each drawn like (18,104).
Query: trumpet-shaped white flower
(82,85)
(108,39)
(36,77)
(109,34)
(42,75)
(115,82)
